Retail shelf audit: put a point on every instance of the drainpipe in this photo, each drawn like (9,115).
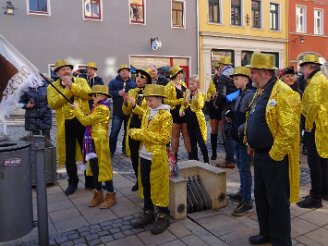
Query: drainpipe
(197,34)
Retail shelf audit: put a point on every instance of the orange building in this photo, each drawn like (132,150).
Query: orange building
(308,29)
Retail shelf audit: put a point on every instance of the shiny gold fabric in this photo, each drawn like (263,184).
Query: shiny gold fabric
(79,90)
(155,135)
(171,95)
(129,111)
(196,105)
(98,119)
(315,110)
(210,91)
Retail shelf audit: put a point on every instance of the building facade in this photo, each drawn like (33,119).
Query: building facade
(308,32)
(238,28)
(135,32)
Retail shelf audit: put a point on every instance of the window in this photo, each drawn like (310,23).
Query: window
(256,14)
(214,11)
(236,12)
(246,56)
(274,16)
(300,19)
(178,14)
(137,11)
(216,54)
(38,6)
(92,9)
(318,21)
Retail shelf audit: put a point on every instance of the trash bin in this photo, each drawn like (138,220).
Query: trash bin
(16,213)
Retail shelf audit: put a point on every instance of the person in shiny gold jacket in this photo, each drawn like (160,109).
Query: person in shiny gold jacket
(134,106)
(154,135)
(272,131)
(69,129)
(96,145)
(315,111)
(175,91)
(192,108)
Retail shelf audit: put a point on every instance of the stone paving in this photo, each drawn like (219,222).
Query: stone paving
(72,222)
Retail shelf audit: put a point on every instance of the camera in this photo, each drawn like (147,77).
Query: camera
(229,114)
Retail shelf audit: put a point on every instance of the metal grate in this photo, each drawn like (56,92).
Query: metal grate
(197,196)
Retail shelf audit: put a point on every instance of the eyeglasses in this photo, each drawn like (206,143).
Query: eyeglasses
(181,71)
(141,76)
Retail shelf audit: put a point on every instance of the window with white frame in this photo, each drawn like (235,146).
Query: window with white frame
(300,19)
(178,8)
(236,12)
(318,21)
(256,13)
(38,6)
(137,11)
(92,9)
(214,11)
(274,16)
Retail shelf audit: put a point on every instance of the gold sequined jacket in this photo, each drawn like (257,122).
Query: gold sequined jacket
(283,113)
(171,95)
(315,110)
(196,105)
(210,91)
(98,119)
(155,134)
(129,111)
(79,91)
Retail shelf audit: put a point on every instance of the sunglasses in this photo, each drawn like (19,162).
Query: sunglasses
(180,71)
(141,76)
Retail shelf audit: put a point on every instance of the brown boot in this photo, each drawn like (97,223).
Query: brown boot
(226,164)
(109,201)
(98,197)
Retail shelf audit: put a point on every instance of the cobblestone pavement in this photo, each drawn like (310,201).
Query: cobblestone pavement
(71,222)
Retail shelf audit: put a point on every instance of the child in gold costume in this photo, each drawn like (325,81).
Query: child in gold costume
(96,144)
(154,134)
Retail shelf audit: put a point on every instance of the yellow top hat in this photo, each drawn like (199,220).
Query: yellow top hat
(100,89)
(310,58)
(123,66)
(175,70)
(225,60)
(92,65)
(262,61)
(242,71)
(153,90)
(146,72)
(62,63)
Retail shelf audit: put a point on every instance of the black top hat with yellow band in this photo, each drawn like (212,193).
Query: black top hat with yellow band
(175,70)
(154,90)
(62,63)
(262,61)
(123,66)
(224,60)
(100,89)
(310,58)
(241,71)
(145,72)
(92,65)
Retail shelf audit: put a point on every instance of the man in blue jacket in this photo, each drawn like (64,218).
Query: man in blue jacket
(119,87)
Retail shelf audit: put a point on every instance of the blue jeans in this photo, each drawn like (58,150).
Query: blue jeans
(228,142)
(243,163)
(116,127)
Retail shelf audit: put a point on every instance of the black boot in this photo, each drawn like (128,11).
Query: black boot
(214,143)
(162,222)
(146,218)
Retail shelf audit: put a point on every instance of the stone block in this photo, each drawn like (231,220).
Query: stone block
(178,197)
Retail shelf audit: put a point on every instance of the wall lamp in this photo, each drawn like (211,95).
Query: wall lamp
(155,43)
(301,38)
(9,9)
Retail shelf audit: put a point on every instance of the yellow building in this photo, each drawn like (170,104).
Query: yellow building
(238,28)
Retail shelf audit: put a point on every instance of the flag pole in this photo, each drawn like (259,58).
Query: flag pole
(50,83)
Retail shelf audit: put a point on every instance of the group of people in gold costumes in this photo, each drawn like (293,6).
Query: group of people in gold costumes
(260,124)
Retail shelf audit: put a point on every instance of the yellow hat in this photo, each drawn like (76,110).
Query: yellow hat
(146,72)
(310,58)
(242,71)
(262,61)
(123,66)
(100,89)
(175,70)
(92,65)
(62,63)
(153,90)
(225,60)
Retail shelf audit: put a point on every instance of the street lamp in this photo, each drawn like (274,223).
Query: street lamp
(9,9)
(301,38)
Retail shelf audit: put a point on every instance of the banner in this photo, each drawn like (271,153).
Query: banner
(17,74)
